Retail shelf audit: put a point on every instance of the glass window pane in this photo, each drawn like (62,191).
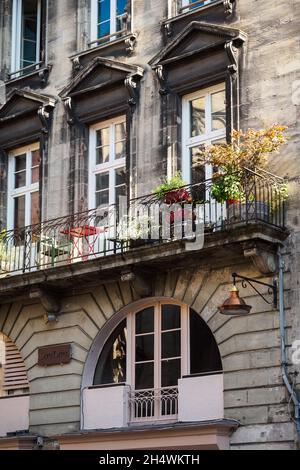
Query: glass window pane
(218,110)
(104,29)
(170,317)
(144,376)
(121,4)
(144,348)
(29,32)
(35,208)
(20,179)
(111,366)
(103,10)
(120,176)
(170,344)
(35,158)
(102,137)
(197,113)
(120,191)
(29,52)
(102,181)
(198,172)
(144,321)
(20,162)
(120,150)
(102,199)
(35,175)
(19,212)
(121,131)
(170,372)
(102,155)
(204,352)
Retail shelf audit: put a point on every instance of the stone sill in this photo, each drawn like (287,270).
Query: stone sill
(42,72)
(128,41)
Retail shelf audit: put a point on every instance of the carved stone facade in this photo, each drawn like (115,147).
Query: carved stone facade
(250,46)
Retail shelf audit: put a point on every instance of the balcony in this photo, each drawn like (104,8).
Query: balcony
(147,232)
(197,398)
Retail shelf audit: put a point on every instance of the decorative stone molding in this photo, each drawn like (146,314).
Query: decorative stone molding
(263,258)
(68,107)
(103,86)
(228,6)
(48,299)
(162,78)
(130,43)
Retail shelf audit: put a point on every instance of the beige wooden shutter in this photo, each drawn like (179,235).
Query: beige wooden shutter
(15,375)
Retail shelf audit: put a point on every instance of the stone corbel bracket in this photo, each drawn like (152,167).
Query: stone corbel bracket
(263,257)
(162,78)
(69,109)
(48,299)
(232,53)
(44,116)
(77,66)
(228,6)
(131,84)
(130,43)
(140,282)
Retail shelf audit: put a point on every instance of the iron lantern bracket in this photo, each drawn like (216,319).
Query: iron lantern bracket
(273,288)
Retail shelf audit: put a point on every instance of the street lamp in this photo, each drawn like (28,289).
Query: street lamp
(234,305)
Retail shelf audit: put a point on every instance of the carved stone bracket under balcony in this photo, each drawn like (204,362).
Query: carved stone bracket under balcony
(48,299)
(263,256)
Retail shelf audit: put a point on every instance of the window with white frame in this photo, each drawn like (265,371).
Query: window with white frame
(203,123)
(23,187)
(108,18)
(188,5)
(26,34)
(107,163)
(151,349)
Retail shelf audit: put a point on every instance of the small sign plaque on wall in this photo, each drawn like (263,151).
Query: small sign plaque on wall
(54,355)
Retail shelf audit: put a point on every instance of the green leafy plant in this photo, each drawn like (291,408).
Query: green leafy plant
(171,184)
(227,187)
(247,152)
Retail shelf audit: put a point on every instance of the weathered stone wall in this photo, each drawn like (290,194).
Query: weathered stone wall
(249,346)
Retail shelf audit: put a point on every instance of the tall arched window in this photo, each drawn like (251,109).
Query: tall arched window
(151,349)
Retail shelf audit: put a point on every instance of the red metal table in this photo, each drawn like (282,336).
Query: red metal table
(84,233)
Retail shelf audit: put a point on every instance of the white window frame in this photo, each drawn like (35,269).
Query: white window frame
(208,138)
(185,341)
(16,42)
(111,166)
(26,190)
(94,20)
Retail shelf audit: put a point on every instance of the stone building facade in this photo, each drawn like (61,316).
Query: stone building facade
(100,100)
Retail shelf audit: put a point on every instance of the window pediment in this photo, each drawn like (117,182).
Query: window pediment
(28,112)
(103,88)
(198,37)
(24,102)
(101,73)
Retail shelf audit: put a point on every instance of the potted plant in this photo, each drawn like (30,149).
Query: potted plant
(238,163)
(172,190)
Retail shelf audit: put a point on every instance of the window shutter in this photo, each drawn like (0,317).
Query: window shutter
(15,375)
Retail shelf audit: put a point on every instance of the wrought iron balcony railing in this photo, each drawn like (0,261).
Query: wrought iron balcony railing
(153,404)
(183,214)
